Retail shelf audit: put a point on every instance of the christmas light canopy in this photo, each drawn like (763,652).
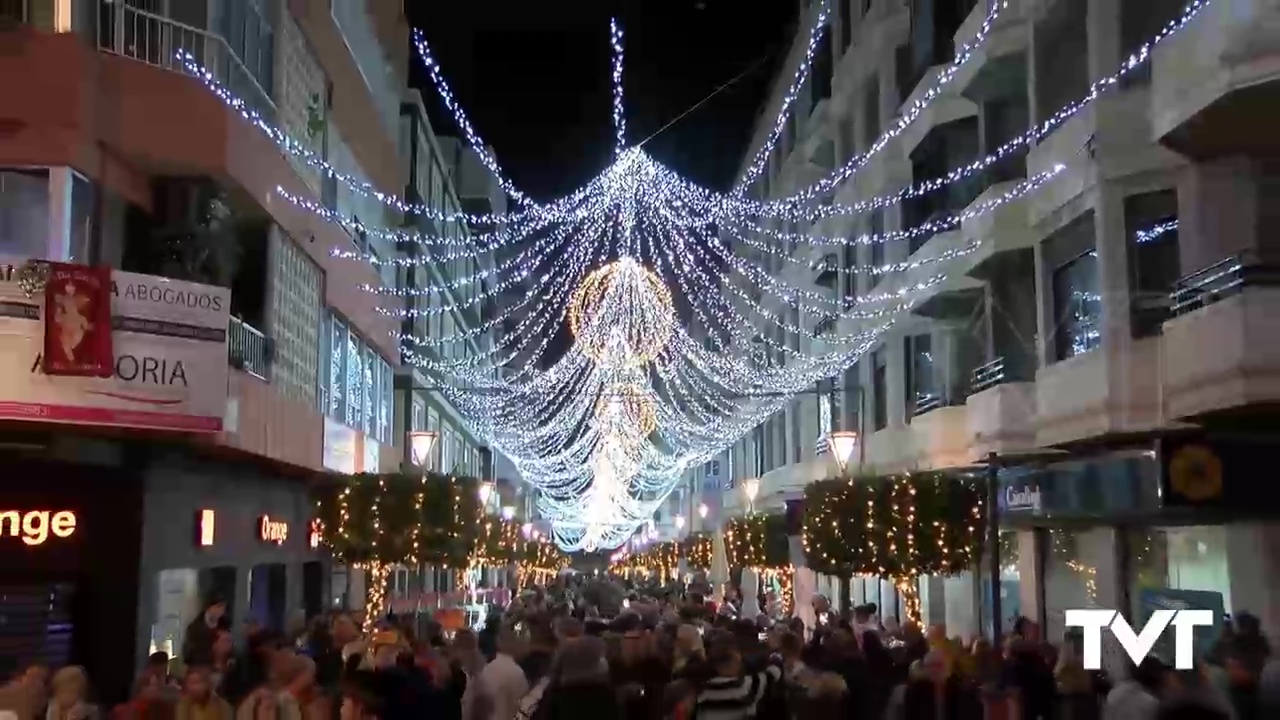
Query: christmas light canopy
(694,314)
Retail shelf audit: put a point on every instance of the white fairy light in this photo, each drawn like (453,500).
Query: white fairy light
(576,428)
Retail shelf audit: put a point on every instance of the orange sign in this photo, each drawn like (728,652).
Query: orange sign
(272,531)
(35,526)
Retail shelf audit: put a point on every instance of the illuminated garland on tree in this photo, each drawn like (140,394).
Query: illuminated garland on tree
(662,558)
(410,519)
(758,542)
(897,526)
(697,550)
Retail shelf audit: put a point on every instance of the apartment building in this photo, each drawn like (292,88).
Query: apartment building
(1111,340)
(111,154)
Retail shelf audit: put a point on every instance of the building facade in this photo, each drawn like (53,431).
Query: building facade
(1111,333)
(119,157)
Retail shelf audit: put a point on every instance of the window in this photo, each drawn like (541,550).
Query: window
(418,416)
(879,390)
(248,29)
(24,213)
(870,113)
(920,385)
(337,370)
(1077,307)
(846,23)
(355,382)
(876,231)
(851,405)
(757,447)
(1150,222)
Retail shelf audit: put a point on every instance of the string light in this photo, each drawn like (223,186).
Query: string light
(752,349)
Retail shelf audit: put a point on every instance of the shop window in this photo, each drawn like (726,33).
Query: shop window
(313,588)
(1187,564)
(1071,565)
(220,582)
(36,625)
(1010,585)
(267,598)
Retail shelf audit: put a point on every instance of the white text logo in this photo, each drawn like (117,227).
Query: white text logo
(1138,645)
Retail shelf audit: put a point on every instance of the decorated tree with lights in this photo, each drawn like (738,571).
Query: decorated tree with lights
(898,527)
(610,428)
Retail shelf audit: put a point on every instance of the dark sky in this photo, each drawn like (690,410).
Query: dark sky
(534,77)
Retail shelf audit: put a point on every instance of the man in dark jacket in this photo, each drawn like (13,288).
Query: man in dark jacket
(197,642)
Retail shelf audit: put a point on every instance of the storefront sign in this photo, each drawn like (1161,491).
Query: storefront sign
(317,532)
(169,366)
(34,527)
(1027,498)
(272,531)
(1208,472)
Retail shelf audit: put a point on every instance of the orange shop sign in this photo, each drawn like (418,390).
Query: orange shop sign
(272,531)
(34,527)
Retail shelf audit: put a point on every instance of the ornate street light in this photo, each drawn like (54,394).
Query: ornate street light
(703,510)
(486,492)
(508,512)
(751,488)
(679,522)
(843,445)
(421,443)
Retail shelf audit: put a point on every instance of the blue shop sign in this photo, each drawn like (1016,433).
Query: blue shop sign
(1084,488)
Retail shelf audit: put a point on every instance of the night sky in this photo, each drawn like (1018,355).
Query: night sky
(534,78)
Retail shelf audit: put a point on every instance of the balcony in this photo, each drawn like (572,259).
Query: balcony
(1109,391)
(945,108)
(999,58)
(940,434)
(161,42)
(1002,410)
(1221,351)
(1111,138)
(1216,83)
(249,350)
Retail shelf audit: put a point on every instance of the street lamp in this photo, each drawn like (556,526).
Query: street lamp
(703,510)
(843,444)
(508,512)
(421,443)
(527,530)
(679,522)
(486,492)
(751,488)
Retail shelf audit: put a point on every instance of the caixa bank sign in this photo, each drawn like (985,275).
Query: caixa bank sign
(169,365)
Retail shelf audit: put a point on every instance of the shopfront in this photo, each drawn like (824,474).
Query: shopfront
(1181,526)
(69,538)
(230,531)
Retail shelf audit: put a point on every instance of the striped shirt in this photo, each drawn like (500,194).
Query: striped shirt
(734,698)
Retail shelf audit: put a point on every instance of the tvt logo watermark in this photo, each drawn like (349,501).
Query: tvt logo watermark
(1139,645)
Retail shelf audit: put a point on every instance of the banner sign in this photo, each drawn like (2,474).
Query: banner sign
(77,321)
(166,352)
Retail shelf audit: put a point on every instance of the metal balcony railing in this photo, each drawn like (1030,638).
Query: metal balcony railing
(157,40)
(249,350)
(985,377)
(1221,280)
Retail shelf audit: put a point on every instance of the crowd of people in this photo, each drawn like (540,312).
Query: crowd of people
(554,656)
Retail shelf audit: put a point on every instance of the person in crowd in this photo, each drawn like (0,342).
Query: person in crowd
(468,662)
(26,695)
(936,693)
(199,700)
(302,685)
(1137,697)
(503,678)
(68,699)
(543,637)
(197,641)
(730,693)
(577,688)
(688,649)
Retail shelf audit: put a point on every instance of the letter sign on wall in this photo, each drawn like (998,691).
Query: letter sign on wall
(35,526)
(272,531)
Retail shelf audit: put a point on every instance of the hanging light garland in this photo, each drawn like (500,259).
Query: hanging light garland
(607,431)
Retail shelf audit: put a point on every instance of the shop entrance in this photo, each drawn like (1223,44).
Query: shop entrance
(35,625)
(313,588)
(268,588)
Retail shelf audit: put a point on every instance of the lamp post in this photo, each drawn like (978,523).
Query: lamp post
(751,488)
(485,492)
(508,512)
(843,444)
(421,443)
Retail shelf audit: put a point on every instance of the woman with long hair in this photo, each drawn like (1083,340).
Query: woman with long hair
(69,697)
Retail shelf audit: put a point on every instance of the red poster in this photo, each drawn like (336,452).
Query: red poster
(77,321)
